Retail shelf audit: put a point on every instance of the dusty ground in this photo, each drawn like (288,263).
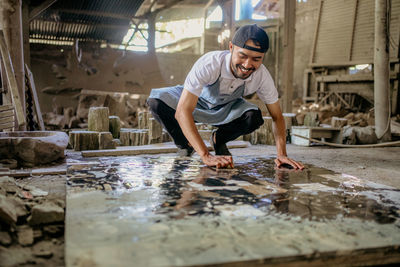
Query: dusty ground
(380,165)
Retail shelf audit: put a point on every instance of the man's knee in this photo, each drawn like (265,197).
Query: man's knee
(254,119)
(154,104)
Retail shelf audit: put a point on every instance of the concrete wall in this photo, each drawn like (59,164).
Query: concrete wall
(57,70)
(306,19)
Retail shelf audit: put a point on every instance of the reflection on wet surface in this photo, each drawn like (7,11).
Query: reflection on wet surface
(180,187)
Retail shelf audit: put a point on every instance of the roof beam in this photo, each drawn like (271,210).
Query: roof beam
(39,9)
(95,13)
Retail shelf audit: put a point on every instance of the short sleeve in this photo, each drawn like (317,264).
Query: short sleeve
(204,72)
(267,91)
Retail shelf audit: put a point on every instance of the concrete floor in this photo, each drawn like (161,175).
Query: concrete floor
(380,165)
(324,216)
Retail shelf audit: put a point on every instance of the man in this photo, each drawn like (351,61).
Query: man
(213,93)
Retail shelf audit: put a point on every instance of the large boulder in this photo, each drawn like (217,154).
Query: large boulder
(33,148)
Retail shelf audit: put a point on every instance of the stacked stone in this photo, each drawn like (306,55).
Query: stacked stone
(98,135)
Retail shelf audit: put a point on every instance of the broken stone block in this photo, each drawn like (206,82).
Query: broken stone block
(98,119)
(106,141)
(25,235)
(143,118)
(8,213)
(54,230)
(338,122)
(45,213)
(84,140)
(124,136)
(43,249)
(311,119)
(114,126)
(366,135)
(155,131)
(5,239)
(33,148)
(263,135)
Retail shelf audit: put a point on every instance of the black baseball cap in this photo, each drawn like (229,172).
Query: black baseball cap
(253,32)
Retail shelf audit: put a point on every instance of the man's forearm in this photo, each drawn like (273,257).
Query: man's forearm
(279,129)
(186,122)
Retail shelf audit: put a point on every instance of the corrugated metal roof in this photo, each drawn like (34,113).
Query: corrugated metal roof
(85,20)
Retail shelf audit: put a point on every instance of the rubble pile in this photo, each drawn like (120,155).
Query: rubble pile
(30,222)
(125,106)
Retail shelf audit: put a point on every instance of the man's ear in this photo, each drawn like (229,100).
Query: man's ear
(230,46)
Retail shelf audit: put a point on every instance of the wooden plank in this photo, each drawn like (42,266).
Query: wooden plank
(7,113)
(8,125)
(32,89)
(6,107)
(4,120)
(316,32)
(149,149)
(39,9)
(353,27)
(12,82)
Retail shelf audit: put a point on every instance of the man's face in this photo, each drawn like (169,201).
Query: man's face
(244,62)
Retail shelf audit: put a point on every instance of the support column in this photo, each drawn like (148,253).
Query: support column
(288,53)
(25,32)
(151,33)
(381,71)
(12,26)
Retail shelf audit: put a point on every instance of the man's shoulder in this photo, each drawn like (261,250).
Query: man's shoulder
(215,55)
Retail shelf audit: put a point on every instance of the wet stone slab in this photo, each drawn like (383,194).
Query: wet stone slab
(163,211)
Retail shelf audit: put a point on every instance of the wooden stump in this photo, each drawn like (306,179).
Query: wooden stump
(124,136)
(98,119)
(311,119)
(143,118)
(155,131)
(114,126)
(85,140)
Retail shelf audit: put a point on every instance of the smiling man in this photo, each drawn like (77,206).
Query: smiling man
(213,93)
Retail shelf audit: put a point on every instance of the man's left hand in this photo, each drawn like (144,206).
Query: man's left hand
(282,160)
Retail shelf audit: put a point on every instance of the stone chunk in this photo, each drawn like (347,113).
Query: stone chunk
(25,235)
(114,126)
(106,141)
(46,213)
(5,239)
(8,213)
(98,119)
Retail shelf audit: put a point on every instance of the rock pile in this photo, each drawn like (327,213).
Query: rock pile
(28,221)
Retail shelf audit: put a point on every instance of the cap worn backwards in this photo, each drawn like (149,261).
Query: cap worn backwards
(253,32)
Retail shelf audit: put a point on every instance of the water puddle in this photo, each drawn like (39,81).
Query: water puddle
(181,187)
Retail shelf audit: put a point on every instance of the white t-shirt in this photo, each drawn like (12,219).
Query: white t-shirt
(206,71)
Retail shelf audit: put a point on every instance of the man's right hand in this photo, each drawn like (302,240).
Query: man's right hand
(218,161)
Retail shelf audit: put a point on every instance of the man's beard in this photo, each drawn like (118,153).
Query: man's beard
(238,74)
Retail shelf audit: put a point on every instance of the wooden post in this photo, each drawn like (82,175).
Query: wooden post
(381,71)
(288,53)
(12,27)
(25,32)
(12,83)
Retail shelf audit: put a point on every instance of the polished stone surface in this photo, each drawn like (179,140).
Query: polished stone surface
(162,210)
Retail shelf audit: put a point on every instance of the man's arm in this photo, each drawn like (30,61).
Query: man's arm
(279,129)
(184,116)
